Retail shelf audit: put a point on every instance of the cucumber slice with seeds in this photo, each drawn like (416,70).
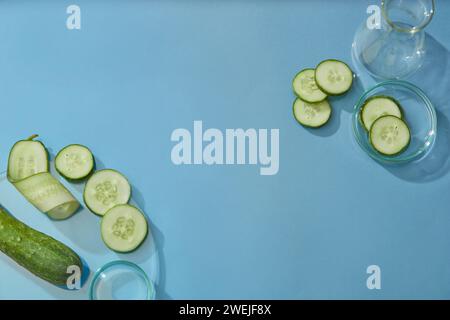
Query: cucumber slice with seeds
(313,115)
(377,107)
(106,189)
(305,87)
(334,77)
(124,228)
(74,162)
(389,135)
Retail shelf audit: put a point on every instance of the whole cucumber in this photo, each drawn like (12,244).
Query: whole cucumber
(39,253)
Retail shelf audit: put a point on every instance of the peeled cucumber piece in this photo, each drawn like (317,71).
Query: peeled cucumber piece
(48,195)
(37,252)
(28,171)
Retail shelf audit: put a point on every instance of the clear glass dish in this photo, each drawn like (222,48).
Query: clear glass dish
(419,114)
(121,280)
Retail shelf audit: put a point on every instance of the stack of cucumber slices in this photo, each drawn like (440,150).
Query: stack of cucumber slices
(383,119)
(123,226)
(106,192)
(313,86)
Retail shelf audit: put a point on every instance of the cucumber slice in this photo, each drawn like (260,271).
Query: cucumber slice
(48,195)
(106,189)
(312,115)
(74,162)
(334,77)
(305,87)
(377,107)
(123,228)
(389,135)
(26,158)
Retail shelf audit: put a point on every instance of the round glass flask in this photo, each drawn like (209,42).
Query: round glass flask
(391,43)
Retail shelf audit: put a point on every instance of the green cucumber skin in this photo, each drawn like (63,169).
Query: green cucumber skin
(397,153)
(79,179)
(84,198)
(332,94)
(37,252)
(307,126)
(301,97)
(9,157)
(402,112)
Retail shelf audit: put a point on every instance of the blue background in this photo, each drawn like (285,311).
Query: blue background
(137,70)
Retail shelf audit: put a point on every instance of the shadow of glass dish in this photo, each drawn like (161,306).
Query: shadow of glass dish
(433,78)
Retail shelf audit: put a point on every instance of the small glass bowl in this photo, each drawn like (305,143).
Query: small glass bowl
(418,112)
(121,280)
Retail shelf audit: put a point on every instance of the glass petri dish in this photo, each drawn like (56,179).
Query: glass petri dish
(418,112)
(121,280)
